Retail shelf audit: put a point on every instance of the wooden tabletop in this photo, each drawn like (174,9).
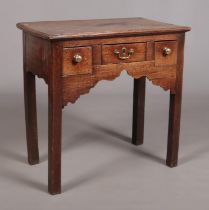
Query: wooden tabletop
(73,29)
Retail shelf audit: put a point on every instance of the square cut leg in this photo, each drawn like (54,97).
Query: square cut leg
(175,109)
(31,118)
(54,147)
(173,129)
(138,111)
(55,120)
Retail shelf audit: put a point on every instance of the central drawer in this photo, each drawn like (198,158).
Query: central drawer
(119,53)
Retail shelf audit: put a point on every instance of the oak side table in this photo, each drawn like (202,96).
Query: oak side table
(73,56)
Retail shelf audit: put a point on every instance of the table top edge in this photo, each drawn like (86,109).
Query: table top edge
(25,27)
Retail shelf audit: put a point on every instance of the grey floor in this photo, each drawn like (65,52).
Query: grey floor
(101,169)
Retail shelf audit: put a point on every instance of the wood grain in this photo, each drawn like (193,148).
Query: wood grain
(97,54)
(36,56)
(71,29)
(150,51)
(75,86)
(118,40)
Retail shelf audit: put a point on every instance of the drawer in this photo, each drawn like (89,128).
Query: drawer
(165,53)
(77,60)
(118,53)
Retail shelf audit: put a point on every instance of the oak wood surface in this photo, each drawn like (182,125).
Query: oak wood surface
(150,54)
(96,54)
(70,29)
(75,86)
(36,52)
(119,40)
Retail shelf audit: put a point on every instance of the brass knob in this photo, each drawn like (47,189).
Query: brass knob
(167,51)
(77,58)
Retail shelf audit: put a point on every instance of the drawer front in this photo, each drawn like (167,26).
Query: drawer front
(77,60)
(165,53)
(123,53)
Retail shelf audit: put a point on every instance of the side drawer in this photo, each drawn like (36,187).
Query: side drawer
(118,53)
(77,60)
(165,53)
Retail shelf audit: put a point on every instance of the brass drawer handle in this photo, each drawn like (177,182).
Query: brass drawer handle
(167,51)
(124,55)
(77,58)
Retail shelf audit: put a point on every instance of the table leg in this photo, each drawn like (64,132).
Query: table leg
(138,111)
(175,109)
(55,122)
(173,129)
(54,151)
(31,117)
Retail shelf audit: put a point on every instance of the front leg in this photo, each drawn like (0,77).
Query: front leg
(175,109)
(173,130)
(54,151)
(55,120)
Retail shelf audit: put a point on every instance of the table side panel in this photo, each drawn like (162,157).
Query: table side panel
(37,56)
